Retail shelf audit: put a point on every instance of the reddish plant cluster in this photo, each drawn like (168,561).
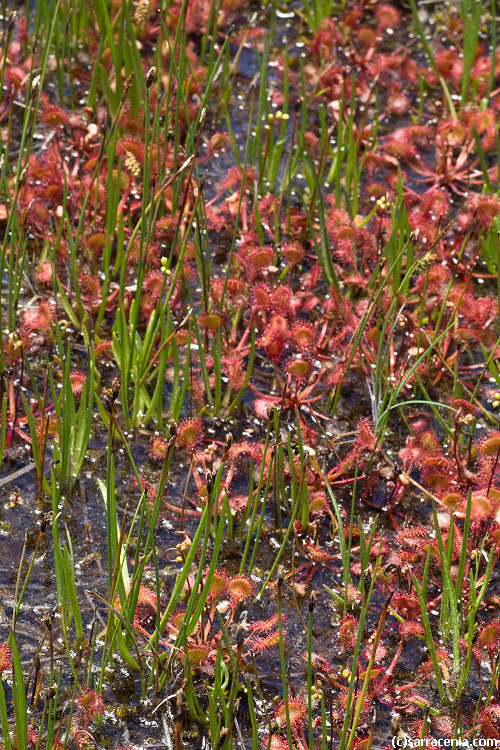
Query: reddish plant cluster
(226,594)
(318,298)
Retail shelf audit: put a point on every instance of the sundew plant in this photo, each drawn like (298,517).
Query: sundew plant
(249,374)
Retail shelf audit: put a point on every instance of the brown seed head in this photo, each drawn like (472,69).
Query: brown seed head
(151,76)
